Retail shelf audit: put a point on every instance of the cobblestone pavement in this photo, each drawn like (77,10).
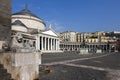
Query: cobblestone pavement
(92,67)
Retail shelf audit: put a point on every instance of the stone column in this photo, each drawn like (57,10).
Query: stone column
(48,44)
(64,47)
(57,44)
(110,49)
(67,47)
(51,44)
(54,43)
(42,42)
(73,47)
(103,47)
(45,43)
(38,43)
(106,47)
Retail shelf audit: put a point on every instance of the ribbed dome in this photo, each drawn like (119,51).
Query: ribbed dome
(26,12)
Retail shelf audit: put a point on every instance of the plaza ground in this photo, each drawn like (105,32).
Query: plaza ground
(75,66)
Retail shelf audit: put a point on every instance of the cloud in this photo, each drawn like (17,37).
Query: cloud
(59,28)
(55,25)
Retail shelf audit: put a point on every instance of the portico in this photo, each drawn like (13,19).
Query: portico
(47,42)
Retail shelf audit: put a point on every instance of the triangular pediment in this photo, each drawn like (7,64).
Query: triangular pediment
(50,32)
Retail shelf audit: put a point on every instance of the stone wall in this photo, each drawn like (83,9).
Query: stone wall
(5,19)
(1,44)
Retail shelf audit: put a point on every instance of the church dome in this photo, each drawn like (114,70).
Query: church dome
(19,26)
(29,19)
(25,12)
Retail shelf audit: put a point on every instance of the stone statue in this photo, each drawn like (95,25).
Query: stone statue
(21,44)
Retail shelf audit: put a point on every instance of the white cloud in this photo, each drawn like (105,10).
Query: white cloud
(55,25)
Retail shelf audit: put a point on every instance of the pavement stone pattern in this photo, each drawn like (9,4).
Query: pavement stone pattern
(82,67)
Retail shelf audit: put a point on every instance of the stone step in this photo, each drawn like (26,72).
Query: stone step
(3,71)
(1,66)
(3,74)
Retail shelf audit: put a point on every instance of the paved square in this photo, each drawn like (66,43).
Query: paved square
(82,67)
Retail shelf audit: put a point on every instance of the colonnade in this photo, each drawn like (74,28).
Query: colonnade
(45,43)
(77,47)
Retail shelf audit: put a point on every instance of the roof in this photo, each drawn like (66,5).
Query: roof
(26,12)
(19,23)
(50,32)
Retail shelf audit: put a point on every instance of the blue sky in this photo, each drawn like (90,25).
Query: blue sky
(75,15)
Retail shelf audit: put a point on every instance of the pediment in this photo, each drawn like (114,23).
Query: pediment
(50,32)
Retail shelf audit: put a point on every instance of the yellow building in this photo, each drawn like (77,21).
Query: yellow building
(95,37)
(91,40)
(81,37)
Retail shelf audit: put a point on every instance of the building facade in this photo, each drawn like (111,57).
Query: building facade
(81,37)
(69,36)
(92,41)
(30,32)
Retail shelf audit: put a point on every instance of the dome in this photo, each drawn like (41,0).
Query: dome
(26,12)
(29,19)
(19,26)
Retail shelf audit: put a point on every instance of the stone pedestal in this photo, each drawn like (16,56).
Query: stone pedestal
(22,66)
(29,65)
